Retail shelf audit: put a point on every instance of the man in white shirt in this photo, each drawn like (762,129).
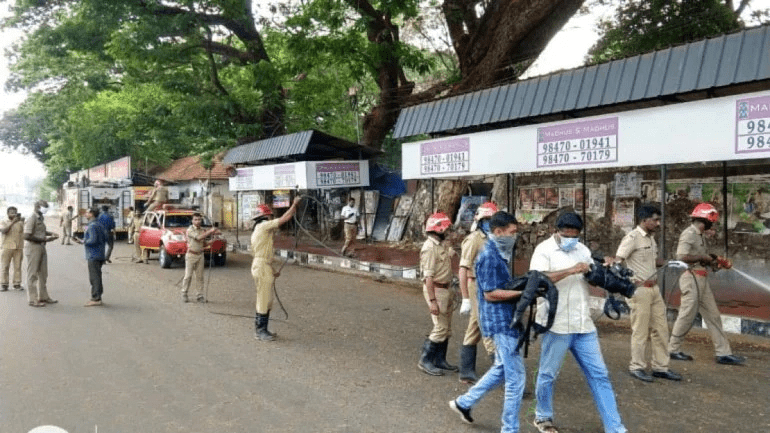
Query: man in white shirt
(564,260)
(350,214)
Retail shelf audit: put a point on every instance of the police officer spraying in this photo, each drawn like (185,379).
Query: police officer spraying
(696,291)
(471,246)
(193,259)
(262,270)
(436,269)
(36,235)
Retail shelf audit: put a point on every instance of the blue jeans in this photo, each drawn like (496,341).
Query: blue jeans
(585,348)
(508,368)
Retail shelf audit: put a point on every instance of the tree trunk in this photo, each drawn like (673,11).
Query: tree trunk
(500,192)
(447,200)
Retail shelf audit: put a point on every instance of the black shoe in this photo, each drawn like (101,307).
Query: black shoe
(18,287)
(468,364)
(465,414)
(440,359)
(670,375)
(4,288)
(731,360)
(641,375)
(681,356)
(426,363)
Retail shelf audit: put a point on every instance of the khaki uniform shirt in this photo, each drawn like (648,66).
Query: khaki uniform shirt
(262,240)
(472,245)
(193,244)
(691,243)
(136,222)
(436,261)
(66,219)
(640,251)
(159,195)
(14,239)
(35,226)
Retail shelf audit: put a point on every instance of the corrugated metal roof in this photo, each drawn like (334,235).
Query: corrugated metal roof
(696,66)
(307,145)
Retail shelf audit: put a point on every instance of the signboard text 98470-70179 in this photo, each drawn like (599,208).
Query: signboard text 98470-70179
(578,143)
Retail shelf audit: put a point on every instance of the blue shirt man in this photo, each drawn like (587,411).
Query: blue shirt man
(94,240)
(496,306)
(105,219)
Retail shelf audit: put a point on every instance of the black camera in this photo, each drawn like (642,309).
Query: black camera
(613,278)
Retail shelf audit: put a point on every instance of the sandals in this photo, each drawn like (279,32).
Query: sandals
(37,304)
(545,426)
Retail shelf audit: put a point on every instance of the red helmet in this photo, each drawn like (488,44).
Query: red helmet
(486,210)
(705,211)
(263,210)
(438,223)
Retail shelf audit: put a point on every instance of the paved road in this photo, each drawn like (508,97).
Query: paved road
(345,362)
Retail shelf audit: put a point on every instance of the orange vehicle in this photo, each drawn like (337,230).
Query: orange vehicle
(164,231)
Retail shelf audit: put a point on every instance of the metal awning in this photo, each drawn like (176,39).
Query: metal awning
(310,145)
(735,59)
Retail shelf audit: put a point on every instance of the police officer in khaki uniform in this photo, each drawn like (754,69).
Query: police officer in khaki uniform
(262,265)
(649,329)
(158,196)
(193,259)
(436,269)
(36,236)
(696,291)
(12,229)
(471,246)
(139,255)
(65,222)
(130,218)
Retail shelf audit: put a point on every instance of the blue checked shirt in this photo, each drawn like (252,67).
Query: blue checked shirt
(492,273)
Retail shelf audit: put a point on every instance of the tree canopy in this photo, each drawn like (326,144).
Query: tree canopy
(160,79)
(641,26)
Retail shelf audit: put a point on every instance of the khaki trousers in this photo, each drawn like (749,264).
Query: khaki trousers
(649,329)
(442,323)
(140,254)
(193,264)
(262,271)
(351,231)
(9,256)
(66,234)
(37,272)
(473,331)
(697,297)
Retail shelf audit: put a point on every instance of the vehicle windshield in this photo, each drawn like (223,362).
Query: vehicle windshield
(173,221)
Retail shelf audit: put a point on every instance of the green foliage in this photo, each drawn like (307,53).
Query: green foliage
(640,26)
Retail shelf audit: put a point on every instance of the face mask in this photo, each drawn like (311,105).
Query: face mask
(43,210)
(505,244)
(568,244)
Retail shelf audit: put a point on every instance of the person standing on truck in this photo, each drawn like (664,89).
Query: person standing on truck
(36,235)
(158,196)
(65,222)
(12,229)
(106,220)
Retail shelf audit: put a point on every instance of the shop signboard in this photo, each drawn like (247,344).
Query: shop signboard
(728,128)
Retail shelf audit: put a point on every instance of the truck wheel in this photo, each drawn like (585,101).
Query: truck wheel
(164,258)
(220,259)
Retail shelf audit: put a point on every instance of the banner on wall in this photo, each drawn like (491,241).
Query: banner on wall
(301,175)
(735,127)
